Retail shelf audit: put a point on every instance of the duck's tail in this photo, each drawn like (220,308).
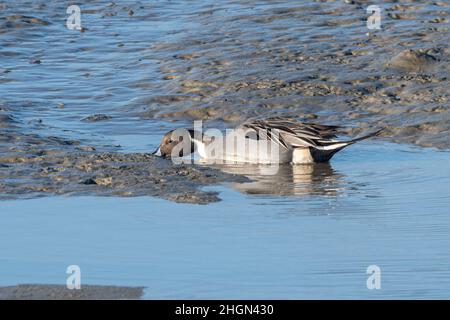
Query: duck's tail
(325,152)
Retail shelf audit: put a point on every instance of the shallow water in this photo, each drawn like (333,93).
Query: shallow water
(378,204)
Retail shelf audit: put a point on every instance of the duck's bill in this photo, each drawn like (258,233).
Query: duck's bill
(157,152)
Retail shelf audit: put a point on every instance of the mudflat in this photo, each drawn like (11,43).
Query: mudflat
(60,292)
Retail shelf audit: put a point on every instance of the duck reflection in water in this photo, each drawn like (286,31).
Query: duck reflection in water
(311,179)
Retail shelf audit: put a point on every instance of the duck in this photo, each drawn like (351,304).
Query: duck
(262,141)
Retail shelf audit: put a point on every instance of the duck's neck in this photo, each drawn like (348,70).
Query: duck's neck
(195,134)
(197,142)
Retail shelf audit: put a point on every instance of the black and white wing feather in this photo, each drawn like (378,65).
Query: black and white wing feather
(289,133)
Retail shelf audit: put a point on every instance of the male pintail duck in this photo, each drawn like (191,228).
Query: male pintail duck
(292,142)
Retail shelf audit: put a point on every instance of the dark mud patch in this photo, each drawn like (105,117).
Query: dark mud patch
(15,21)
(6,120)
(60,292)
(96,117)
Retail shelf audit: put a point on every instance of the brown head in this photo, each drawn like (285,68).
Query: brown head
(176,143)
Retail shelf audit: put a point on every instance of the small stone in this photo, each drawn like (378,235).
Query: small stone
(438,20)
(184,56)
(96,117)
(86,148)
(103,181)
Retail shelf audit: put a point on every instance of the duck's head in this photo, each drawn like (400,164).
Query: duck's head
(176,143)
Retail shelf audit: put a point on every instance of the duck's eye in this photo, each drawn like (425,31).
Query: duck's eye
(170,141)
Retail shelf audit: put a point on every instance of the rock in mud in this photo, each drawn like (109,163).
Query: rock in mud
(6,120)
(415,61)
(96,117)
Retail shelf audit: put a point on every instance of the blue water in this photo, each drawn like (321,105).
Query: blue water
(386,211)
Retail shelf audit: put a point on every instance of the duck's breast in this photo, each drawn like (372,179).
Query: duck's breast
(302,156)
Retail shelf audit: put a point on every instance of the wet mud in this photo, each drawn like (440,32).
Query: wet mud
(317,62)
(59,292)
(222,62)
(37,166)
